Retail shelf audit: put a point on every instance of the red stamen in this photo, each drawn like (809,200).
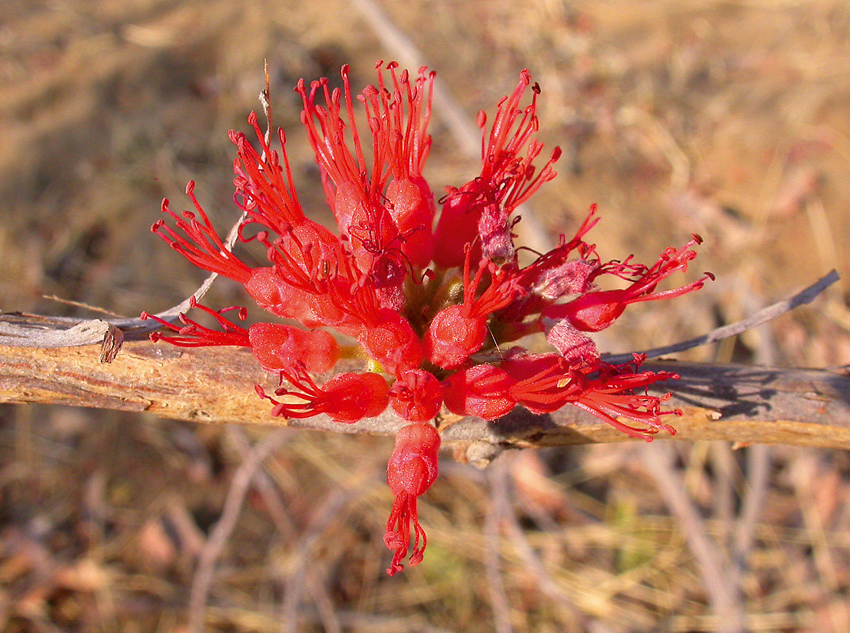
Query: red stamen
(594,311)
(264,188)
(201,244)
(193,334)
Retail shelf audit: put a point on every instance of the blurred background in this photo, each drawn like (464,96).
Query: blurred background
(728,119)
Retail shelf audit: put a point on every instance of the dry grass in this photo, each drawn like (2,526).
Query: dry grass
(728,119)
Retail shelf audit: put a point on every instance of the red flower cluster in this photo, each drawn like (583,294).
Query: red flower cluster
(434,301)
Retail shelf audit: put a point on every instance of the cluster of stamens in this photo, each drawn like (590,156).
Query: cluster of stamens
(434,302)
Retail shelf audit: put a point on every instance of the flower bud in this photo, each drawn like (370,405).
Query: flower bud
(417,396)
(411,471)
(279,346)
(480,390)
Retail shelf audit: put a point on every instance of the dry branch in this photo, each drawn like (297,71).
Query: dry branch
(745,404)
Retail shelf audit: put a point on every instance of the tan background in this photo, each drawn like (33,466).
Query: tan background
(727,119)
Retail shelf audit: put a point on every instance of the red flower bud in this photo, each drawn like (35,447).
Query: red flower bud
(344,398)
(399,117)
(459,331)
(574,346)
(453,337)
(279,346)
(416,396)
(483,206)
(457,227)
(411,204)
(541,382)
(411,471)
(392,342)
(480,390)
(275,294)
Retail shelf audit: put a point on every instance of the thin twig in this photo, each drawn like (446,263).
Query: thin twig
(547,585)
(111,332)
(284,523)
(758,459)
(495,580)
(803,472)
(723,595)
(448,108)
(758,479)
(305,550)
(27,330)
(266,103)
(723,466)
(265,486)
(761,317)
(239,486)
(324,605)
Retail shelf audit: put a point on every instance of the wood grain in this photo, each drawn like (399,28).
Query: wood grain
(744,404)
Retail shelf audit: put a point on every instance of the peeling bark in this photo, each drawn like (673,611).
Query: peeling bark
(742,404)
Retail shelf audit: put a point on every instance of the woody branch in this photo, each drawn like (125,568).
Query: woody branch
(62,361)
(806,407)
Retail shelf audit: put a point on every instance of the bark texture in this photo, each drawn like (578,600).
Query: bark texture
(744,404)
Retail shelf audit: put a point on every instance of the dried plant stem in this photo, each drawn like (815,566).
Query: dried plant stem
(500,497)
(289,532)
(499,601)
(807,295)
(758,481)
(221,532)
(723,595)
(744,404)
(446,107)
(297,578)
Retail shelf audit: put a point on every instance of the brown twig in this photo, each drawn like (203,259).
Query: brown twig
(806,407)
(727,402)
(296,580)
(220,534)
(32,330)
(723,595)
(499,602)
(276,509)
(758,482)
(807,295)
(500,495)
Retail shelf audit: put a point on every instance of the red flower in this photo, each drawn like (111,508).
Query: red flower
(482,207)
(595,311)
(480,390)
(417,396)
(436,336)
(546,382)
(458,331)
(411,471)
(280,347)
(344,398)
